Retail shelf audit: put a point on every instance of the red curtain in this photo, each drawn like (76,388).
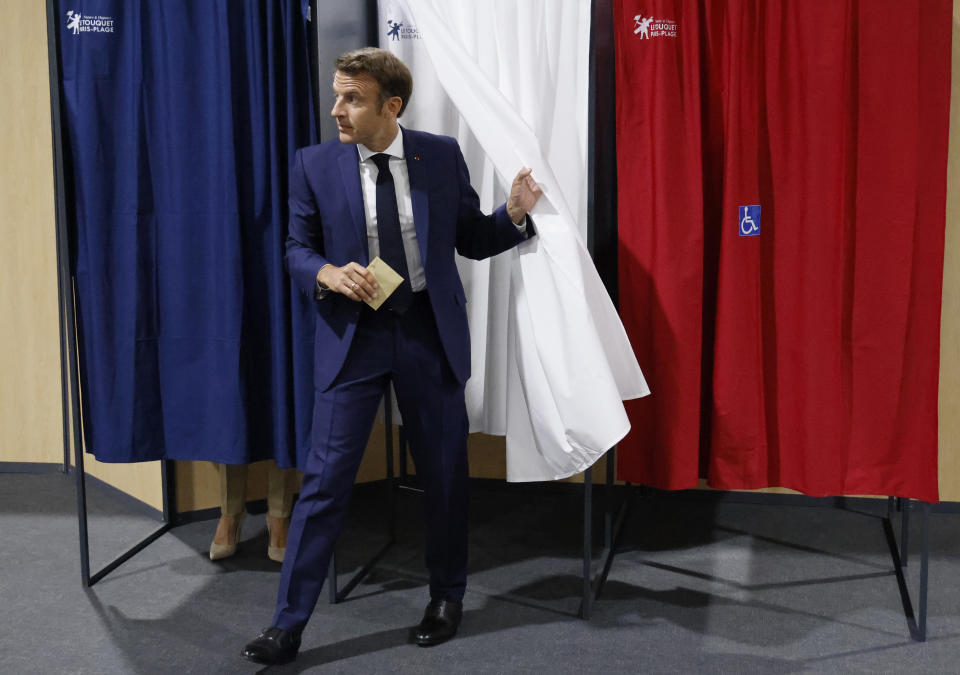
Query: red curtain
(782,191)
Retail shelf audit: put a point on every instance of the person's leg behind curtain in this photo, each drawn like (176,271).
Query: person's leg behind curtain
(233,502)
(281,484)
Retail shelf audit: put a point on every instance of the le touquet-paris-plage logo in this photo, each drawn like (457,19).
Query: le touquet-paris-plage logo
(78,23)
(400,31)
(648,27)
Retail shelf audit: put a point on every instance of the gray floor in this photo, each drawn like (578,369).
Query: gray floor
(696,586)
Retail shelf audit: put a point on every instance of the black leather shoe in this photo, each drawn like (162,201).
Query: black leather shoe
(440,622)
(273,646)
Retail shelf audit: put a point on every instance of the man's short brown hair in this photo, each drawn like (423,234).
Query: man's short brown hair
(390,72)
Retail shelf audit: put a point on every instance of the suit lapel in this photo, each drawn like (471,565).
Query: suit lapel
(418,171)
(350,174)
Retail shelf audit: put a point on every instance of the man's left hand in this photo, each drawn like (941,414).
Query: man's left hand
(524,193)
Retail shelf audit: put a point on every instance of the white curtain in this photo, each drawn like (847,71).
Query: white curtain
(551,361)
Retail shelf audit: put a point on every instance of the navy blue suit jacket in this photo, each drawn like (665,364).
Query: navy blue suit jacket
(327,225)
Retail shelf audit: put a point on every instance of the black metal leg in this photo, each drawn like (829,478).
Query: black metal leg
(916,623)
(362,573)
(611,550)
(70,390)
(904,531)
(167,486)
(587,600)
(612,526)
(405,483)
(924,569)
(64,386)
(168,473)
(608,500)
(82,518)
(394,488)
(391,472)
(166,477)
(67,343)
(332,579)
(388,430)
(152,537)
(403,456)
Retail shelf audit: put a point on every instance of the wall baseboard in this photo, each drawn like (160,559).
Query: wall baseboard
(133,505)
(719,496)
(620,490)
(30,467)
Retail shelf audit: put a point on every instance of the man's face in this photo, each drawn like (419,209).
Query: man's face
(359,116)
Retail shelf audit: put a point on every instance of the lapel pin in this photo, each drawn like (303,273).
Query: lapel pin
(417,157)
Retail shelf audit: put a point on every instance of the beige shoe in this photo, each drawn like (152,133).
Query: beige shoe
(224,542)
(277,527)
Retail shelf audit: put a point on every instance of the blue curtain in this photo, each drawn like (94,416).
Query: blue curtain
(181,120)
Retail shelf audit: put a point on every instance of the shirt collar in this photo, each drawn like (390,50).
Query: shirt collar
(395,149)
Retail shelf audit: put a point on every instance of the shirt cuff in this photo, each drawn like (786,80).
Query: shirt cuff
(521,226)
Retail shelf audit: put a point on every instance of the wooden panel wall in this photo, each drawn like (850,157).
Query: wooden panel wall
(950,321)
(30,426)
(30,411)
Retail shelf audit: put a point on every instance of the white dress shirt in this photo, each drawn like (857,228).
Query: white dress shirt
(401,183)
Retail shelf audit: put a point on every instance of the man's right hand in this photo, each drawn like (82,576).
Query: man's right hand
(352,280)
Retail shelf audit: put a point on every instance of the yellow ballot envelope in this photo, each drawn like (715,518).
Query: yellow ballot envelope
(386,277)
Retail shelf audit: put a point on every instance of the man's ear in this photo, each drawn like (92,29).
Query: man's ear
(393,105)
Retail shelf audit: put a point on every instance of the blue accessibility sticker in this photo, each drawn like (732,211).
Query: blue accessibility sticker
(749,217)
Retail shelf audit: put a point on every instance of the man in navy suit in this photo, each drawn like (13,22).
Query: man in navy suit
(403,195)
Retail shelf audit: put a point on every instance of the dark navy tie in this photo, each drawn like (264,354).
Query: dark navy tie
(388,230)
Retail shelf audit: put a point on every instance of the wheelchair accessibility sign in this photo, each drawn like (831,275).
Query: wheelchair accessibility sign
(749,217)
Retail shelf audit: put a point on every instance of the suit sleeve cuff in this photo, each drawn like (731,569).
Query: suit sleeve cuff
(320,291)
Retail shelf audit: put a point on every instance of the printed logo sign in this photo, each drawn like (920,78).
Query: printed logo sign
(78,23)
(649,27)
(400,31)
(749,217)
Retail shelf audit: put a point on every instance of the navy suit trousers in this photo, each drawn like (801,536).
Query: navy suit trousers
(406,350)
